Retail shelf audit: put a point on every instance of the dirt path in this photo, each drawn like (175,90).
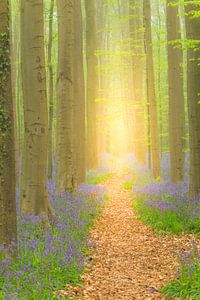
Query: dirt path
(129,260)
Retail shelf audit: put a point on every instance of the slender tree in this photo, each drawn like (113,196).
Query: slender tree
(8,232)
(50,90)
(176,97)
(92,83)
(154,131)
(34,197)
(79,97)
(136,32)
(193,92)
(14,56)
(159,86)
(65,96)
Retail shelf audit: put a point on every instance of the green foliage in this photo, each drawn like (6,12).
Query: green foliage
(163,223)
(187,285)
(5,121)
(135,179)
(51,255)
(165,220)
(184,289)
(4,55)
(128,185)
(99,178)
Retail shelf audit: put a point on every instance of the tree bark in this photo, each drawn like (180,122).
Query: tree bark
(14,56)
(50,91)
(136,25)
(92,83)
(159,79)
(8,230)
(193,93)
(79,98)
(154,131)
(34,199)
(176,96)
(65,96)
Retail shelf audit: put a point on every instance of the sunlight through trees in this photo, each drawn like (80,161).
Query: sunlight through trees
(92,90)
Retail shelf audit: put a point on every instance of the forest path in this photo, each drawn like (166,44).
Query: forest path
(129,260)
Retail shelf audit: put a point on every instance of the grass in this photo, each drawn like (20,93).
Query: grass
(128,185)
(99,178)
(51,254)
(169,214)
(187,285)
(161,222)
(175,214)
(167,209)
(163,205)
(134,179)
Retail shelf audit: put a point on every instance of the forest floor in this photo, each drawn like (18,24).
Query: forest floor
(129,260)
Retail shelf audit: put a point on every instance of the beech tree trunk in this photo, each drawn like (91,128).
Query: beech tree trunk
(50,91)
(154,130)
(8,231)
(65,96)
(79,98)
(34,199)
(176,96)
(14,40)
(136,25)
(193,93)
(92,83)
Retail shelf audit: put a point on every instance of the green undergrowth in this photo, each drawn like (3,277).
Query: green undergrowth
(99,178)
(167,209)
(165,221)
(51,254)
(134,179)
(187,284)
(128,185)
(183,289)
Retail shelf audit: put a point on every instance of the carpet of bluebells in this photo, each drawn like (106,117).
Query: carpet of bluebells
(51,254)
(167,208)
(163,205)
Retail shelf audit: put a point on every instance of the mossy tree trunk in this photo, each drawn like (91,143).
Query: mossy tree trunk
(8,231)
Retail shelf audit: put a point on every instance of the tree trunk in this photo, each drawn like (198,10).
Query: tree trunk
(176,97)
(92,83)
(154,131)
(65,96)
(8,231)
(159,79)
(193,93)
(34,199)
(14,56)
(50,91)
(79,97)
(136,25)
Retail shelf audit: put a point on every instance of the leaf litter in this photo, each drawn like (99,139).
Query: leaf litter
(128,259)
